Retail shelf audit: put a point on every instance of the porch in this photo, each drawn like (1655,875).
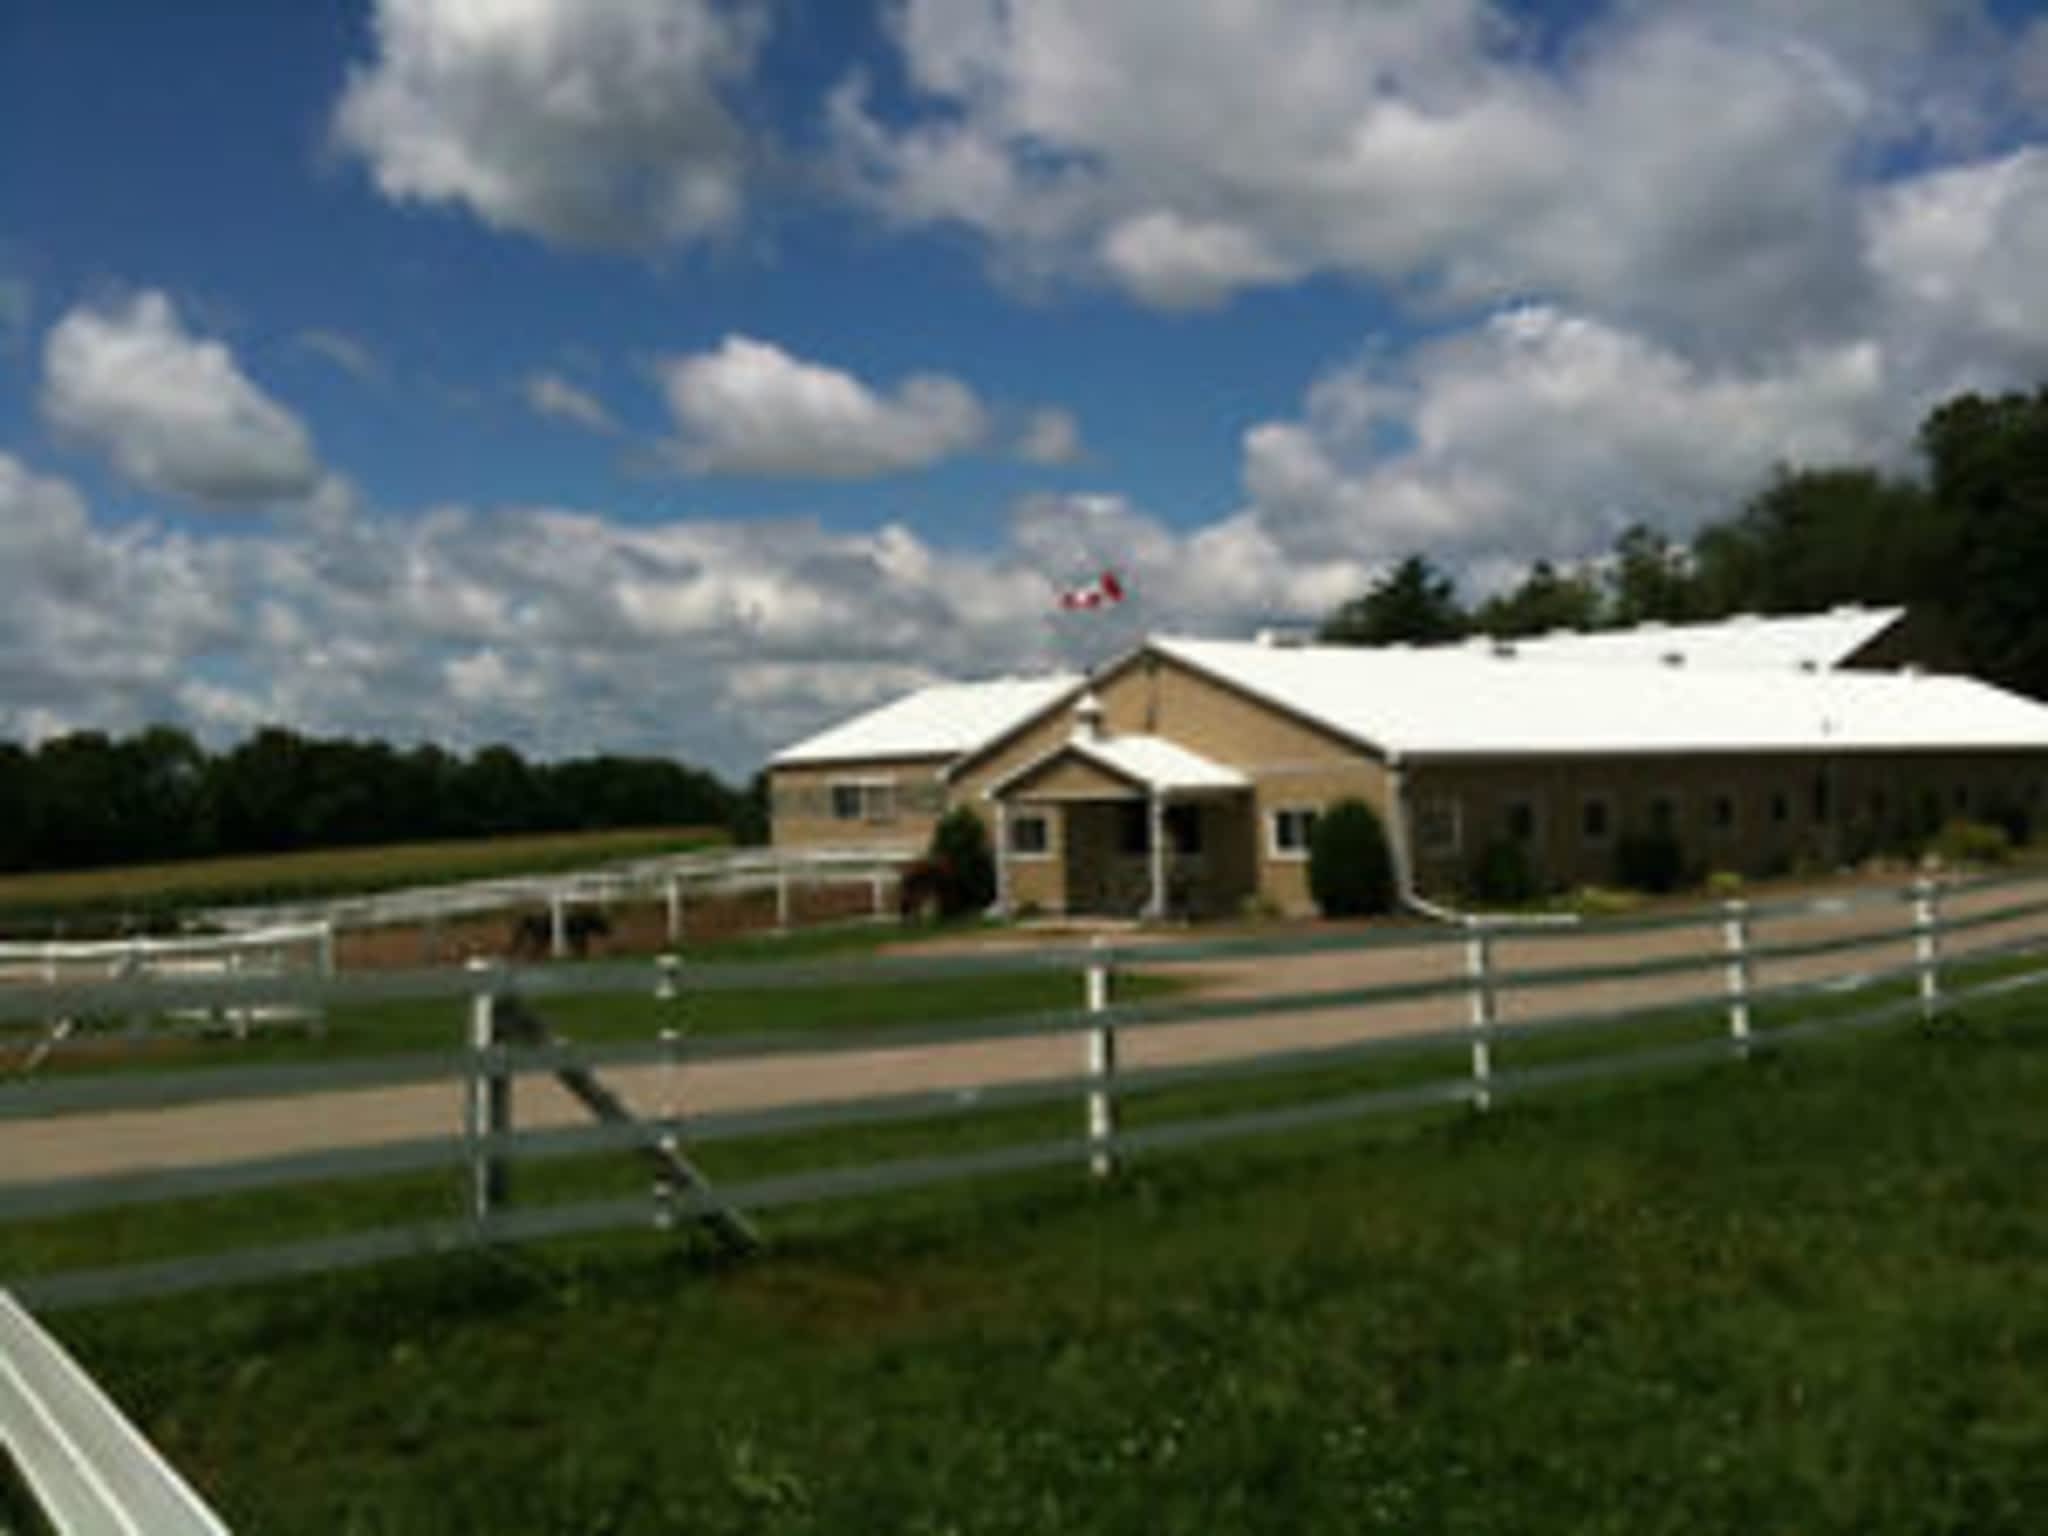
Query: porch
(1130,826)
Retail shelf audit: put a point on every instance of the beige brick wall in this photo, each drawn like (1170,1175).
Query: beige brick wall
(1290,762)
(1870,801)
(800,804)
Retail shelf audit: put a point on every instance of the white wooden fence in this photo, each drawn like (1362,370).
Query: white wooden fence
(676,882)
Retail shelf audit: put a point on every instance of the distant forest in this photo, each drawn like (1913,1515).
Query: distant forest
(1963,544)
(89,799)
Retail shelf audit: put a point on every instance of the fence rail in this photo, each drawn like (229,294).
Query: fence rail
(1746,1009)
(88,1467)
(675,881)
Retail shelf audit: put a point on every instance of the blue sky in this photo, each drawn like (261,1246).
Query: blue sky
(678,374)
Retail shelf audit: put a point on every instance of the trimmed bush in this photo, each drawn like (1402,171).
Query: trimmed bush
(1973,842)
(963,865)
(1649,861)
(1502,876)
(1350,871)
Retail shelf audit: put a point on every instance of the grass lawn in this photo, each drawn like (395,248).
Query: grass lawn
(18,1513)
(1798,1295)
(40,899)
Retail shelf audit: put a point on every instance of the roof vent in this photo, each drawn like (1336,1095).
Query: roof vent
(1282,638)
(1673,658)
(1808,664)
(1504,649)
(1912,669)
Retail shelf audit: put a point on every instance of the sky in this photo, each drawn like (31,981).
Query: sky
(679,376)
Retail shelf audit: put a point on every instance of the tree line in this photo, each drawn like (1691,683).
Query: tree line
(90,799)
(1963,544)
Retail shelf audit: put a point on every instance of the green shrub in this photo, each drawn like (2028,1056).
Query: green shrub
(1350,872)
(1724,883)
(1601,901)
(1502,876)
(963,863)
(1258,908)
(1649,861)
(2011,817)
(1973,842)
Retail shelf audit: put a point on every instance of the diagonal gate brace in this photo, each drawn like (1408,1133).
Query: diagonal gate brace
(518,1022)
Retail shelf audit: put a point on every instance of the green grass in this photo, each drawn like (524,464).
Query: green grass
(39,900)
(1799,1295)
(18,1513)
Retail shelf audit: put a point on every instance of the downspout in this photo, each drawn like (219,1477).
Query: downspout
(1404,872)
(1397,833)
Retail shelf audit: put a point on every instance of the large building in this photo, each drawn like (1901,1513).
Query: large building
(1187,775)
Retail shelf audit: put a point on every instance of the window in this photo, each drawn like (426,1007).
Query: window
(1962,799)
(1823,801)
(1781,807)
(1520,821)
(1596,819)
(1030,836)
(1878,807)
(1439,826)
(1294,829)
(1663,814)
(1184,829)
(1721,812)
(872,800)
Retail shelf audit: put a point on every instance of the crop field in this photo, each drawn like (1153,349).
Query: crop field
(1800,1293)
(156,888)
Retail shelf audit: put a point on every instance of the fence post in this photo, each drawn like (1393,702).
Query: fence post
(668,992)
(1735,938)
(675,909)
(782,899)
(1479,979)
(879,910)
(488,1101)
(558,926)
(1101,1066)
(1927,945)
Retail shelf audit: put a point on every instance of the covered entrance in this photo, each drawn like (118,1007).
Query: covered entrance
(1124,826)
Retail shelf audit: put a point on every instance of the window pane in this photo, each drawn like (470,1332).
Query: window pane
(846,802)
(1029,834)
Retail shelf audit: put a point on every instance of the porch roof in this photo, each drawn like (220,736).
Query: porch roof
(1149,762)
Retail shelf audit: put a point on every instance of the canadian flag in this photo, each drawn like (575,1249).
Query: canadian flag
(1102,590)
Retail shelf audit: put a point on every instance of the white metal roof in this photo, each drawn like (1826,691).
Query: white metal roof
(1455,700)
(1783,641)
(942,721)
(1151,761)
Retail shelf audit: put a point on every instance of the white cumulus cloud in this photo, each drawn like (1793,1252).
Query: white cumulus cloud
(174,412)
(585,122)
(750,408)
(549,394)
(1052,437)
